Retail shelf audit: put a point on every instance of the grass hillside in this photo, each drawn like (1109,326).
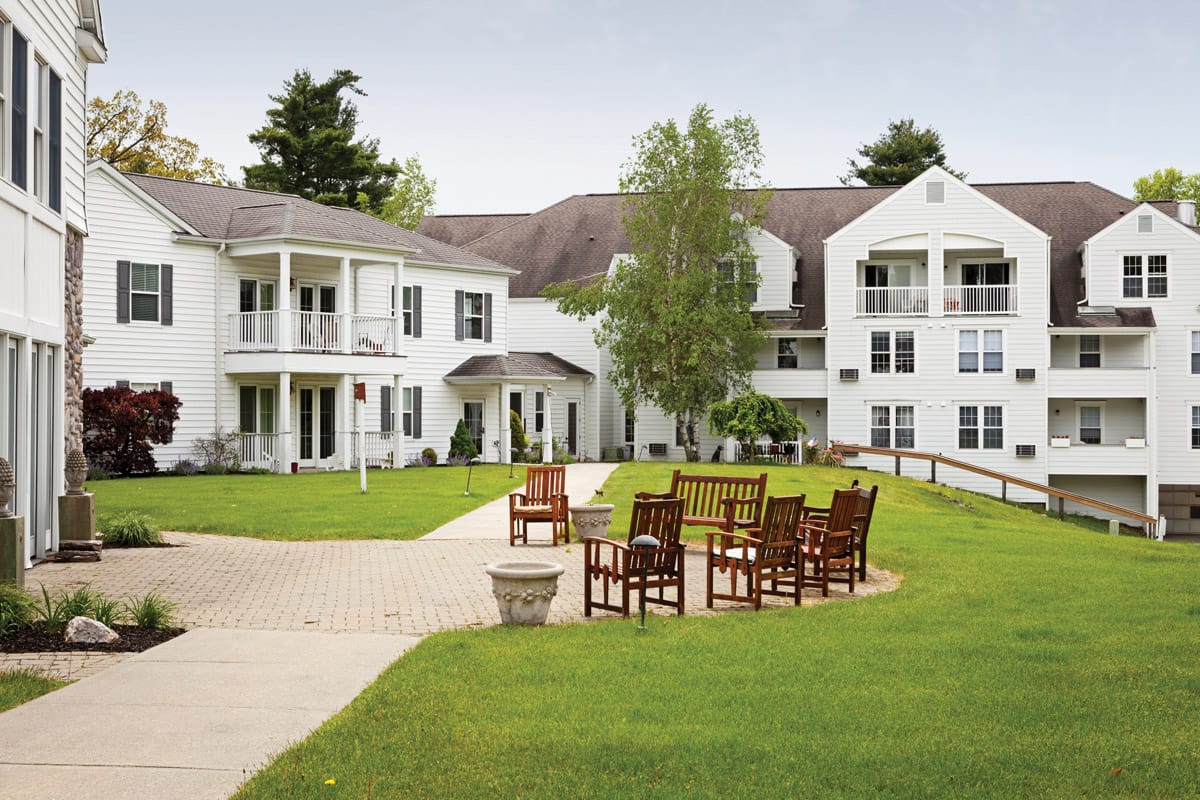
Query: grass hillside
(1020,657)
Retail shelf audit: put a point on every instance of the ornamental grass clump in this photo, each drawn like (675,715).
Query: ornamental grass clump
(131,529)
(152,611)
(17,609)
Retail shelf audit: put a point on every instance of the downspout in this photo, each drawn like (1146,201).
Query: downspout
(218,354)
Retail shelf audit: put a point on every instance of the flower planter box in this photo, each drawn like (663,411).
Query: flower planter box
(1060,442)
(1135,442)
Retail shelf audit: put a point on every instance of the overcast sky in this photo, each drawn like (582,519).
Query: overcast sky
(515,105)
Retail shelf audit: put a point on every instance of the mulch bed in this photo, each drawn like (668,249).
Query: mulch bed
(133,640)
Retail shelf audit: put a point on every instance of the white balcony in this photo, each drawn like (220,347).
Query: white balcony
(891,301)
(970,300)
(791,383)
(1098,383)
(311,332)
(1098,459)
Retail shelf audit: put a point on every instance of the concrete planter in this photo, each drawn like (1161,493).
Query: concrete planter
(592,520)
(524,589)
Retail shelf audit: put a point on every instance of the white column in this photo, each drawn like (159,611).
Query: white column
(345,432)
(398,424)
(398,315)
(505,425)
(344,303)
(936,280)
(285,422)
(548,430)
(285,302)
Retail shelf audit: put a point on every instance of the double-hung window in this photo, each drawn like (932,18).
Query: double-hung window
(1195,427)
(143,292)
(981,427)
(1091,422)
(539,411)
(410,309)
(406,411)
(1196,352)
(1144,275)
(1089,351)
(473,315)
(981,351)
(893,426)
(788,357)
(893,351)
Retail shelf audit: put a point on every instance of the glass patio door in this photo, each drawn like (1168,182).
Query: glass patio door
(317,406)
(473,416)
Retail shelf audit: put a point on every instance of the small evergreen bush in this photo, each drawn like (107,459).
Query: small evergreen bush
(461,443)
(520,442)
(430,455)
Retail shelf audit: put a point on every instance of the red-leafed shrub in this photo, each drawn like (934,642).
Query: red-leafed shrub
(121,426)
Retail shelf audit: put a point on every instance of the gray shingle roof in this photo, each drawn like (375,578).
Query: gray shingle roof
(462,229)
(230,212)
(517,365)
(576,238)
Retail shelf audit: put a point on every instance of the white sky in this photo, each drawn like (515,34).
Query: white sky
(515,105)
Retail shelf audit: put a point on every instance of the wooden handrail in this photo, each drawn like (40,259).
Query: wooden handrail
(1005,479)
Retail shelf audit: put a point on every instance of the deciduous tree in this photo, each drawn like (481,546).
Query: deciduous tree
(121,425)
(675,315)
(133,137)
(308,146)
(411,197)
(750,416)
(1167,184)
(902,153)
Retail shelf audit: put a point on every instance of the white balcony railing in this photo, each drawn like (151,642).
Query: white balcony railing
(254,330)
(378,447)
(259,450)
(315,332)
(373,334)
(892,301)
(311,332)
(980,299)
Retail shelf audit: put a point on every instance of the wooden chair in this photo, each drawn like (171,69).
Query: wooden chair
(766,555)
(611,563)
(817,515)
(544,500)
(828,545)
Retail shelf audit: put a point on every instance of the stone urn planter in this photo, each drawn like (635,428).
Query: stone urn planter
(75,471)
(524,589)
(7,486)
(592,520)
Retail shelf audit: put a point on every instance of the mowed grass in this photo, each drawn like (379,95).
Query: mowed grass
(20,686)
(1020,657)
(399,504)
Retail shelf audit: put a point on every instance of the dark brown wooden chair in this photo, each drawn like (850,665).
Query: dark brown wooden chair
(828,544)
(544,500)
(766,557)
(617,564)
(818,515)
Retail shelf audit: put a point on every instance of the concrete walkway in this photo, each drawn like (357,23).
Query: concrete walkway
(282,635)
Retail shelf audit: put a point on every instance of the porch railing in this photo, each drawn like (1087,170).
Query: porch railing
(894,301)
(254,330)
(378,448)
(314,331)
(999,299)
(373,334)
(259,450)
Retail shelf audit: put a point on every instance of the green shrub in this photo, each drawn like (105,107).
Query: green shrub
(430,455)
(17,609)
(152,611)
(461,443)
(213,468)
(131,530)
(520,442)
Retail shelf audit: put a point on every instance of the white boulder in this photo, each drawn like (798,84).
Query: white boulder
(88,631)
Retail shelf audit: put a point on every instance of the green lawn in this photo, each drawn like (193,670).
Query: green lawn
(1021,657)
(21,686)
(399,504)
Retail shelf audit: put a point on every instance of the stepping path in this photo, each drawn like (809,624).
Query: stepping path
(282,635)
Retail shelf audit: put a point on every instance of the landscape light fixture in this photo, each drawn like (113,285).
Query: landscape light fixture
(644,542)
(470,465)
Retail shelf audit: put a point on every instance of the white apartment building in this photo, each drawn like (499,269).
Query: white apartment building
(1045,330)
(45,50)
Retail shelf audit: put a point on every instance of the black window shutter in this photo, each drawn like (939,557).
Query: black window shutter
(416,412)
(458,315)
(166,386)
(487,317)
(20,109)
(122,291)
(122,384)
(416,312)
(166,296)
(54,169)
(385,408)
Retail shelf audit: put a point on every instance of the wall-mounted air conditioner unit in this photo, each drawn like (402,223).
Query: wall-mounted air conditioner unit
(1026,374)
(847,374)
(1027,450)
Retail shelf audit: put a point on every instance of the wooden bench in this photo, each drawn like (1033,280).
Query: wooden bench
(722,502)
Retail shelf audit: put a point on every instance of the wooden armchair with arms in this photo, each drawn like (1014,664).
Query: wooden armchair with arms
(762,556)
(544,500)
(815,515)
(618,564)
(828,545)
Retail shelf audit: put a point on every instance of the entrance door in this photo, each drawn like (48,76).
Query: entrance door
(572,427)
(41,454)
(257,330)
(473,416)
(317,406)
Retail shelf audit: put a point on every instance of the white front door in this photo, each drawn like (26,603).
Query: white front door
(316,413)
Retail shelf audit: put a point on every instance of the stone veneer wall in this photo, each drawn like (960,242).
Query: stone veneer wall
(73,350)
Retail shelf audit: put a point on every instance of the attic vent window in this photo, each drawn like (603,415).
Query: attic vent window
(1145,223)
(935,191)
